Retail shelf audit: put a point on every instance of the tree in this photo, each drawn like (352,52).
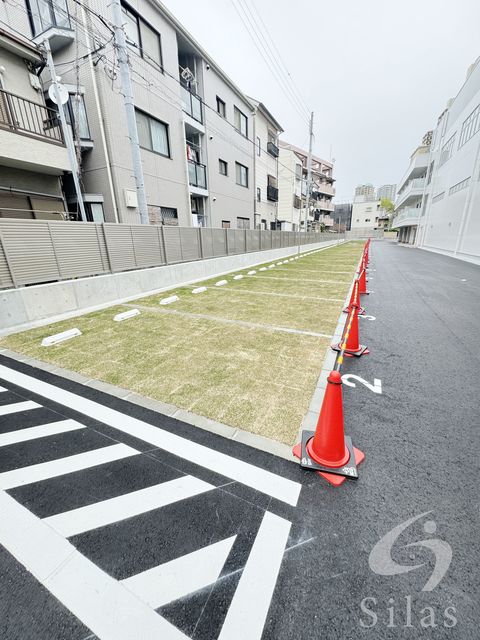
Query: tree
(387,205)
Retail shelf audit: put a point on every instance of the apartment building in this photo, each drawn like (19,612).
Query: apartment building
(365,213)
(321,207)
(410,195)
(387,191)
(33,155)
(195,126)
(366,190)
(290,178)
(266,132)
(449,222)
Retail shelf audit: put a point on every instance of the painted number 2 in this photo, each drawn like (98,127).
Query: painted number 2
(376,387)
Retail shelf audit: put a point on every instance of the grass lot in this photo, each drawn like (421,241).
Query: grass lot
(221,353)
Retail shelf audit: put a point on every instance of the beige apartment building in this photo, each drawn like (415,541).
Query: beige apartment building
(198,131)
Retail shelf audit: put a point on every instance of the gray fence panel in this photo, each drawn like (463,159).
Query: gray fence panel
(240,244)
(29,247)
(173,244)
(147,247)
(253,240)
(120,247)
(79,248)
(6,280)
(219,237)
(189,238)
(207,242)
(231,242)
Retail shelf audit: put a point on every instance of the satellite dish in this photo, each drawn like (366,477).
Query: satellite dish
(62,93)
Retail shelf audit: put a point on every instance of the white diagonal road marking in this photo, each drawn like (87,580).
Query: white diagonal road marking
(182,576)
(60,466)
(41,431)
(99,601)
(260,479)
(127,505)
(5,409)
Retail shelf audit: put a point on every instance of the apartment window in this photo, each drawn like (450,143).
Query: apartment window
(75,115)
(226,224)
(44,14)
(298,171)
(459,186)
(259,194)
(241,122)
(223,167)
(243,223)
(470,127)
(152,134)
(162,215)
(241,174)
(143,39)
(367,219)
(447,150)
(221,107)
(259,145)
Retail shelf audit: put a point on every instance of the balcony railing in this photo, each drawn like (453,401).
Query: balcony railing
(272,193)
(192,104)
(297,202)
(407,216)
(197,174)
(272,149)
(30,118)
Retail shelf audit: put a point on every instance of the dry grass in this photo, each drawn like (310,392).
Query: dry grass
(252,378)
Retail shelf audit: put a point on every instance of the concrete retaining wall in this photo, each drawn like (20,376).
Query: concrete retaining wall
(38,305)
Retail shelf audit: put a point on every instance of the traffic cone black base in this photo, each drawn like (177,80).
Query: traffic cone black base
(336,477)
(361,351)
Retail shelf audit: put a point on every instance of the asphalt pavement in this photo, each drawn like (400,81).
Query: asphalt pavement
(118,522)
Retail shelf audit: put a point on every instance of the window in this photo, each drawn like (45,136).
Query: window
(144,40)
(367,219)
(259,144)
(221,107)
(225,224)
(75,115)
(94,211)
(447,150)
(241,122)
(152,134)
(470,127)
(162,215)
(243,223)
(44,14)
(241,174)
(222,167)
(259,194)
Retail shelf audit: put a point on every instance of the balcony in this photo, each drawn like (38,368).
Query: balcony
(192,105)
(50,21)
(324,188)
(418,166)
(30,136)
(407,217)
(411,192)
(197,175)
(272,193)
(272,149)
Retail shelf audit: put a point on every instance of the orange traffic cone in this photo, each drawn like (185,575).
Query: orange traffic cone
(351,340)
(354,299)
(328,450)
(362,282)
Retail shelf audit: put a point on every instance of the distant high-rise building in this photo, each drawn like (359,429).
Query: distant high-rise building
(366,192)
(387,191)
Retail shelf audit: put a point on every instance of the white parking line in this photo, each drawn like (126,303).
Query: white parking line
(182,576)
(100,602)
(41,431)
(60,466)
(248,610)
(127,505)
(260,479)
(5,409)
(3,389)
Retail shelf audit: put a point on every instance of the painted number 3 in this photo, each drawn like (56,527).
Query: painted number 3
(376,387)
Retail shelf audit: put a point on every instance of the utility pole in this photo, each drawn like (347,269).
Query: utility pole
(309,172)
(121,45)
(67,134)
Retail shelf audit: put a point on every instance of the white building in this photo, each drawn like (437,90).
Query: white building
(387,191)
(450,223)
(365,213)
(290,176)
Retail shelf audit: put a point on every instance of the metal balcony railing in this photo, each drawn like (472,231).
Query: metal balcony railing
(272,193)
(297,202)
(197,174)
(192,104)
(30,118)
(273,149)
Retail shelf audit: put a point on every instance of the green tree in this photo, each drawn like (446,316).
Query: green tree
(387,205)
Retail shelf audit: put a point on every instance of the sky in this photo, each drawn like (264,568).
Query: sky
(376,74)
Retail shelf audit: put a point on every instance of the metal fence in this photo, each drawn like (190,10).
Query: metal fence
(36,251)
